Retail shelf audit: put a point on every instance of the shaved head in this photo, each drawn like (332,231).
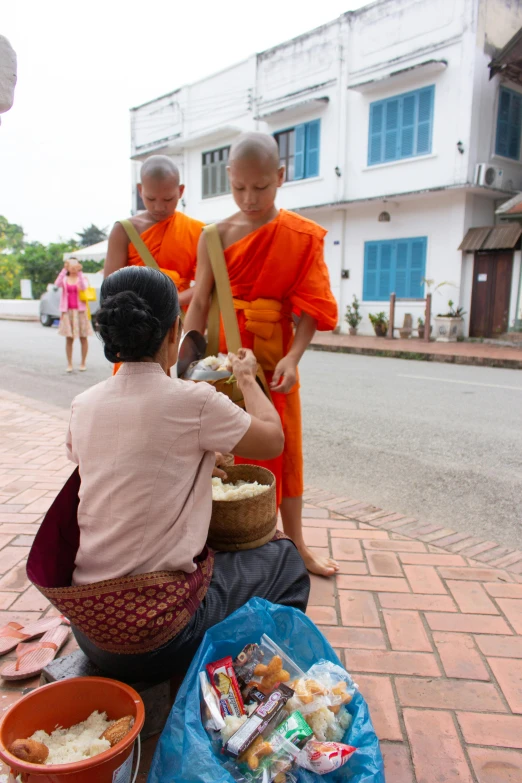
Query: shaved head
(256,147)
(160,167)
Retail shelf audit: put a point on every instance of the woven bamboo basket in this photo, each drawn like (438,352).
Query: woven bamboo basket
(248,523)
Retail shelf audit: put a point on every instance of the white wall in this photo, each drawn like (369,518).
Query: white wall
(438,217)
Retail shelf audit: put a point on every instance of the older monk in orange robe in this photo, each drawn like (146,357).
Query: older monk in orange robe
(170,236)
(277,271)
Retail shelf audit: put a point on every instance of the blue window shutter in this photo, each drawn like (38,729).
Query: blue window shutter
(313,130)
(391,138)
(514,127)
(424,120)
(385,270)
(417,267)
(371,250)
(504,105)
(375,141)
(402,254)
(408,112)
(299,159)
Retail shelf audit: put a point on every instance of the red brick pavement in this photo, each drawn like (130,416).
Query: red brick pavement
(432,635)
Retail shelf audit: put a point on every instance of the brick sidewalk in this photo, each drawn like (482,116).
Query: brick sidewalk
(433,638)
(480,354)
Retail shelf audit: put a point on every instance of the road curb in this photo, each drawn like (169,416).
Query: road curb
(32,318)
(421,356)
(480,552)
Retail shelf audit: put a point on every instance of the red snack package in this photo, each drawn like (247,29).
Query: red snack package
(324,757)
(224,682)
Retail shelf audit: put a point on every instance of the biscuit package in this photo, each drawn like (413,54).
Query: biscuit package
(224,682)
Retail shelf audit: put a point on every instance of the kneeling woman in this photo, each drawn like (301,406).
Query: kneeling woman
(142,588)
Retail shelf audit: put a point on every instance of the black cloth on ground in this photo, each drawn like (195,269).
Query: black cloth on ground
(275,571)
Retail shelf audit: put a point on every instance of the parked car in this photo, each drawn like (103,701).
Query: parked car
(50,305)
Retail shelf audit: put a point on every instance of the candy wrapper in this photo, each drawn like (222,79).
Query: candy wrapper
(257,725)
(324,757)
(295,730)
(224,682)
(210,710)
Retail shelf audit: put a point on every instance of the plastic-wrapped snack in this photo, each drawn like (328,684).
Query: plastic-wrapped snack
(295,730)
(210,710)
(246,662)
(259,723)
(324,757)
(338,683)
(231,724)
(224,682)
(277,667)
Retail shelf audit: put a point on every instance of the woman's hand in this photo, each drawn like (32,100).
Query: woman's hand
(285,375)
(244,365)
(220,460)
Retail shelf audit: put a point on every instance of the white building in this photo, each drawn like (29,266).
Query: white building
(388,109)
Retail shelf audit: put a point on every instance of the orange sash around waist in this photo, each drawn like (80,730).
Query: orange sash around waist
(181,283)
(264,319)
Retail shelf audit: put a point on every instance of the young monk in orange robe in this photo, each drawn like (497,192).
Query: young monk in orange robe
(171,237)
(277,271)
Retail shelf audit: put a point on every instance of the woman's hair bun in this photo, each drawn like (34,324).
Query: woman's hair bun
(128,327)
(138,307)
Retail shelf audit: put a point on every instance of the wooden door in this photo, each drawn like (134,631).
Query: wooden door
(491,293)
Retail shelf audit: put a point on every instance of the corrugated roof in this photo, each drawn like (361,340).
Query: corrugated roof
(515,210)
(507,207)
(474,239)
(503,237)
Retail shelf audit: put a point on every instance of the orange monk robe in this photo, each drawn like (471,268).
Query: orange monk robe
(275,273)
(173,244)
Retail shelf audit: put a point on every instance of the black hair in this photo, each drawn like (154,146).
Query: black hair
(138,307)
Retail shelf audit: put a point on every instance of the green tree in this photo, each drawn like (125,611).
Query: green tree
(10,274)
(11,236)
(42,263)
(91,235)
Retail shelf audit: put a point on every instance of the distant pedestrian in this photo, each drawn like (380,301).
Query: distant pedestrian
(73,312)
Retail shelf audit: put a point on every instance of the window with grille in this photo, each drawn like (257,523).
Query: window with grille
(401,127)
(394,266)
(214,172)
(509,122)
(299,150)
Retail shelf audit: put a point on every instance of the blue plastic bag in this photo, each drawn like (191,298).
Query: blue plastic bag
(184,753)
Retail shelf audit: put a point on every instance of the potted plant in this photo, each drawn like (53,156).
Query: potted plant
(420,327)
(380,323)
(450,326)
(353,317)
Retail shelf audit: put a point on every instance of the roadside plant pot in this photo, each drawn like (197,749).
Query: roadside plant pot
(381,330)
(448,330)
(352,330)
(421,332)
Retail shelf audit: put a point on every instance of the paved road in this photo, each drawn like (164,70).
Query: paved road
(439,442)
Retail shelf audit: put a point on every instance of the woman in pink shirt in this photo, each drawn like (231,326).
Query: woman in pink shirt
(131,569)
(73,319)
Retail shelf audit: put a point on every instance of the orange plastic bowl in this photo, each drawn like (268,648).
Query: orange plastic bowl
(66,703)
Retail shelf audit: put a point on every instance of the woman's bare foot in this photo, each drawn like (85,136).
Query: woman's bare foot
(82,368)
(318,564)
(70,369)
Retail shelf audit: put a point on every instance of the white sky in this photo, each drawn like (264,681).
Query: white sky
(64,146)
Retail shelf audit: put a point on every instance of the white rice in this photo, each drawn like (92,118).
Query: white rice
(77,743)
(238,491)
(220,363)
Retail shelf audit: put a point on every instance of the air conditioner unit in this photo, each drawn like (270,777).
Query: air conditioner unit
(489,176)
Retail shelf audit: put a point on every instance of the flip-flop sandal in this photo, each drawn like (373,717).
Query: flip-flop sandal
(14,633)
(32,657)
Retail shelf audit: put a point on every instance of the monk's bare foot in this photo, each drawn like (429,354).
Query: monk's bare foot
(318,564)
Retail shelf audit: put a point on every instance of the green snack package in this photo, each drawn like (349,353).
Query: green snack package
(295,729)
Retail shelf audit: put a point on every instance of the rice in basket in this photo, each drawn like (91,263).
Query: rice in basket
(238,491)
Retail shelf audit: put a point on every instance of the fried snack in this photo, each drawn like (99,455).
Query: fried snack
(340,691)
(271,674)
(29,750)
(307,690)
(118,730)
(257,750)
(280,778)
